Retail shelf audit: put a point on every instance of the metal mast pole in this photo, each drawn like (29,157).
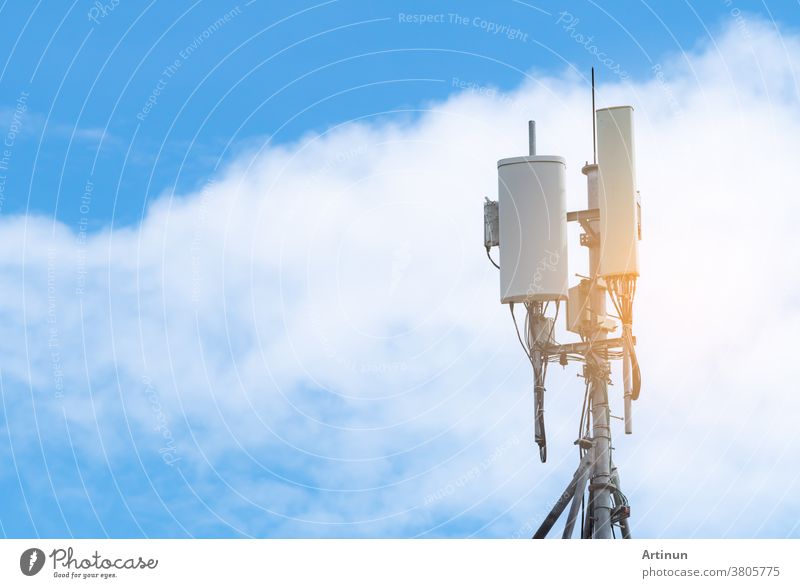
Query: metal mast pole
(597,370)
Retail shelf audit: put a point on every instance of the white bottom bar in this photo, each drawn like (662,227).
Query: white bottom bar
(402,563)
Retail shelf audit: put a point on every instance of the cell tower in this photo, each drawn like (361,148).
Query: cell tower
(529,223)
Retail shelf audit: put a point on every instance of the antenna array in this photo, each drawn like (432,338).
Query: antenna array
(530,220)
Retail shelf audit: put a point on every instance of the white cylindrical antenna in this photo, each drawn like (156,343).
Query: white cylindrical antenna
(531,138)
(532,204)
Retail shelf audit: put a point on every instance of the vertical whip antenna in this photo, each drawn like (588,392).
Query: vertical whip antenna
(594,125)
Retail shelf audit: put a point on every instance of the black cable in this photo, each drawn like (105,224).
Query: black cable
(617,305)
(538,391)
(541,440)
(516,328)
(489,255)
(622,293)
(546,356)
(539,372)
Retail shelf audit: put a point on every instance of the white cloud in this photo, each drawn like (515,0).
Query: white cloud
(324,339)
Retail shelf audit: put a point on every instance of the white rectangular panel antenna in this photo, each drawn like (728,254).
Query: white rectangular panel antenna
(619,218)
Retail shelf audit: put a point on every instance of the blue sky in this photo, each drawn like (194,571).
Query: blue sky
(206,334)
(255,79)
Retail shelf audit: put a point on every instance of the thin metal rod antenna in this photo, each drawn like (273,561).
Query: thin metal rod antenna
(594,125)
(531,138)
